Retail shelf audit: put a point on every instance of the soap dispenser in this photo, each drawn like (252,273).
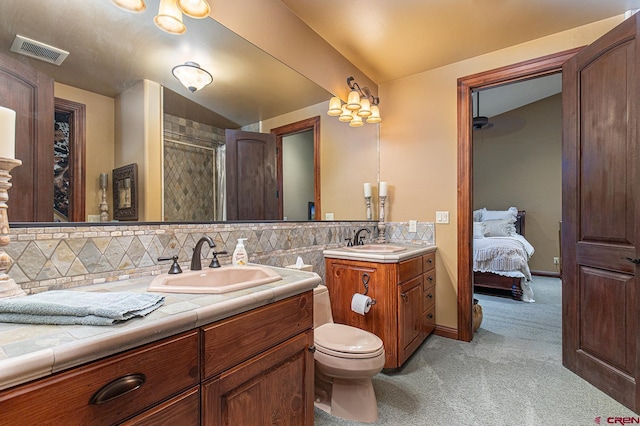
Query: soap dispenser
(240,257)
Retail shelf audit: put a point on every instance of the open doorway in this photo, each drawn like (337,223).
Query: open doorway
(546,65)
(300,134)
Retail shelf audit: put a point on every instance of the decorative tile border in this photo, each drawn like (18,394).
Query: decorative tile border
(59,257)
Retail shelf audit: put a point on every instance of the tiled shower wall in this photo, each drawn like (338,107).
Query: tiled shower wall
(47,258)
(190,170)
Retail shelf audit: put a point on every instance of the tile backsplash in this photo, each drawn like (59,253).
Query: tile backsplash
(58,257)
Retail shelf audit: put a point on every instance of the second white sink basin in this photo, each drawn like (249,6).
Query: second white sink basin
(377,248)
(214,280)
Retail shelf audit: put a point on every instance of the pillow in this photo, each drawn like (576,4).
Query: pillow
(479,229)
(510,214)
(499,228)
(477,215)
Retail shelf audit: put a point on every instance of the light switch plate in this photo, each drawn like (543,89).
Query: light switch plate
(442,217)
(413,226)
(328,216)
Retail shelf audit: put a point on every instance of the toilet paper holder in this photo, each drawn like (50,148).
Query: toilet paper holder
(365,282)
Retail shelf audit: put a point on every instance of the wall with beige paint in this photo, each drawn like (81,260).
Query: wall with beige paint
(518,163)
(99,127)
(348,158)
(418,145)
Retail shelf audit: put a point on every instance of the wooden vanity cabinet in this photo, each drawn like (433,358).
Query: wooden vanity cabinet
(131,382)
(252,368)
(404,313)
(258,367)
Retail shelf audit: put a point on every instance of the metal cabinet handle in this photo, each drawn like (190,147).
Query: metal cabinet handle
(430,295)
(430,278)
(636,261)
(430,316)
(404,296)
(429,261)
(117,388)
(312,348)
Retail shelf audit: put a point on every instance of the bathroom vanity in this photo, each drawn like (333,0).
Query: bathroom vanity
(244,358)
(403,285)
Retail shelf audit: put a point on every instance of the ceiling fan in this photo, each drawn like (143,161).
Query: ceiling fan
(480,122)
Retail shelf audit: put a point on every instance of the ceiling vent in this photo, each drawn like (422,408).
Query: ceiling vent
(38,50)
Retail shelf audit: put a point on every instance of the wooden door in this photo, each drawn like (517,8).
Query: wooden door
(600,213)
(30,94)
(252,191)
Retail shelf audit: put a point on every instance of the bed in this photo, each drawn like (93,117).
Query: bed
(501,253)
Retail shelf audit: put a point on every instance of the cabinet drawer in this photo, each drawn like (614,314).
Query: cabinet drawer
(165,368)
(183,410)
(429,294)
(429,320)
(236,339)
(429,261)
(410,268)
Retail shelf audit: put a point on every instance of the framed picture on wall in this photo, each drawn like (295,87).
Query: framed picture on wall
(125,192)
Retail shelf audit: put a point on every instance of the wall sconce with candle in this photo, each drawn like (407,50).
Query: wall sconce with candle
(382,196)
(8,287)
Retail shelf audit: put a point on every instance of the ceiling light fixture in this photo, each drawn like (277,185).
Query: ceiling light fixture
(360,104)
(130,5)
(192,76)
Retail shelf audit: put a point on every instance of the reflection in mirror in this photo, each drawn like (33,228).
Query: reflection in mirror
(125,194)
(111,51)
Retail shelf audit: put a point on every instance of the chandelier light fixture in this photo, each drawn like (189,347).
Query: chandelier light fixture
(169,17)
(192,76)
(360,105)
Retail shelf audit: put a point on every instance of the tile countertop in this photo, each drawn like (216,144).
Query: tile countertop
(30,351)
(348,253)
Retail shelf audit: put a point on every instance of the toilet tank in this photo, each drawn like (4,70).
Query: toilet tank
(321,306)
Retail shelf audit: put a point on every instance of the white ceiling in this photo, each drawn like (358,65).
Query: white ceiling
(392,39)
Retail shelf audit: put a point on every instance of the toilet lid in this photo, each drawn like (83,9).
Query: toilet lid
(345,339)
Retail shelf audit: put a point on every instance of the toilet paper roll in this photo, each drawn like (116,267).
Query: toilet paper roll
(360,303)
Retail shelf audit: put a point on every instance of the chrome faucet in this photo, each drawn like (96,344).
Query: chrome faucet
(357,239)
(196,264)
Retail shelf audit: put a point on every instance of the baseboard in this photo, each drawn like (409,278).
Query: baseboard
(546,274)
(448,332)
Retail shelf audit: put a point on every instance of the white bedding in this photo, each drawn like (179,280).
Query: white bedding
(507,256)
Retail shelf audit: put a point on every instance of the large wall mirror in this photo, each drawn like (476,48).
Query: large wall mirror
(111,51)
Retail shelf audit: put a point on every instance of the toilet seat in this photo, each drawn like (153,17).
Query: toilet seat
(344,341)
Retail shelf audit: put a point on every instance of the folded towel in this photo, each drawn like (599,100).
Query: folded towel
(78,307)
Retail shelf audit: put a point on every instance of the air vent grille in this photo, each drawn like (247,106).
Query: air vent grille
(38,50)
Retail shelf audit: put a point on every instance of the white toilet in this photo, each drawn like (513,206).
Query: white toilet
(346,358)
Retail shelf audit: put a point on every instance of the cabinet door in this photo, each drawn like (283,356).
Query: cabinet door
(275,387)
(410,324)
(183,410)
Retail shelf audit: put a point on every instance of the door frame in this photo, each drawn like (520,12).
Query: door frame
(77,161)
(538,67)
(313,124)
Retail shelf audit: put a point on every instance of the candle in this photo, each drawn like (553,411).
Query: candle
(7,133)
(104,180)
(383,189)
(367,189)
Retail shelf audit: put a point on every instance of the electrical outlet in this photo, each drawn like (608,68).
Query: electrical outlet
(413,226)
(556,260)
(442,217)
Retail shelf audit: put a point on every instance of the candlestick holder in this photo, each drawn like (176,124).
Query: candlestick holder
(104,207)
(381,225)
(8,287)
(368,201)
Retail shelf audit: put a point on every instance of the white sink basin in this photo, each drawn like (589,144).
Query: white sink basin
(214,280)
(377,248)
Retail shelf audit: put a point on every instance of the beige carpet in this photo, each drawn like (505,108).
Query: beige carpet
(510,374)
